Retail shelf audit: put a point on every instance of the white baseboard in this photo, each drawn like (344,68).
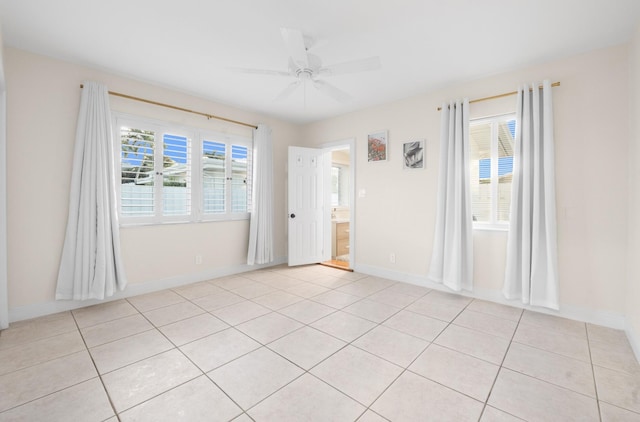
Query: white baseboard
(40,309)
(605,318)
(634,340)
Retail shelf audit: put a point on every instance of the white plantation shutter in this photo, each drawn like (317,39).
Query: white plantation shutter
(240,178)
(214,175)
(137,176)
(176,175)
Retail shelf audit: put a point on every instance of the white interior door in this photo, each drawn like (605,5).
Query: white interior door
(309,236)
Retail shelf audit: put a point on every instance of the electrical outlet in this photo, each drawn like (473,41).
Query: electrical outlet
(198,259)
(392,258)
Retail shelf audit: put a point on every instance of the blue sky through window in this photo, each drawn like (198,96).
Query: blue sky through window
(175,147)
(505,164)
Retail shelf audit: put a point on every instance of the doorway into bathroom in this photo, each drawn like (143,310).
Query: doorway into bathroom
(342,175)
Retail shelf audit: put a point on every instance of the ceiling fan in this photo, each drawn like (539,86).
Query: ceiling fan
(306,67)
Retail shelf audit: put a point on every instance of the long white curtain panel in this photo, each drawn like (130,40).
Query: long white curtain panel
(91,265)
(452,256)
(261,224)
(532,265)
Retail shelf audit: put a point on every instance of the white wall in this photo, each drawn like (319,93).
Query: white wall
(4,302)
(633,282)
(43,101)
(397,214)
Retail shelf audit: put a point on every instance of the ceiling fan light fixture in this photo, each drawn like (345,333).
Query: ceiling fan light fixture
(304,67)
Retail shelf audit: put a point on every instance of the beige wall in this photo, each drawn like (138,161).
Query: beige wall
(4,301)
(633,284)
(397,214)
(43,100)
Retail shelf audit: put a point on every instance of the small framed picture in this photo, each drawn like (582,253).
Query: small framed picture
(377,146)
(413,154)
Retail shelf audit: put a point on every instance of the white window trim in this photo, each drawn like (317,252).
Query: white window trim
(493,225)
(196,136)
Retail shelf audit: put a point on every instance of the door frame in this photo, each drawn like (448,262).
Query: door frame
(330,146)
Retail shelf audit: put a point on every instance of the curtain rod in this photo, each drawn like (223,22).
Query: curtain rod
(208,116)
(506,94)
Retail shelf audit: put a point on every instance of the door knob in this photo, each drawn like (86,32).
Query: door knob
(292,215)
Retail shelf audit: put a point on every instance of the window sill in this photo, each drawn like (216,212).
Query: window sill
(489,227)
(129,224)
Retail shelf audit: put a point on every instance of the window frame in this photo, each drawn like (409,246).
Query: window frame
(493,223)
(195,138)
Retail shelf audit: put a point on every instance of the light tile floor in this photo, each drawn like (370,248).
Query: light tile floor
(313,344)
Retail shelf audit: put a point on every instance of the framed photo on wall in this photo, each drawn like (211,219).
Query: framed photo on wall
(377,146)
(413,154)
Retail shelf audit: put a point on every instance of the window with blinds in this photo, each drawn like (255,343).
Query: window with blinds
(491,160)
(179,174)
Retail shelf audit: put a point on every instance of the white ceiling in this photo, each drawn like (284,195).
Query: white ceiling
(189,45)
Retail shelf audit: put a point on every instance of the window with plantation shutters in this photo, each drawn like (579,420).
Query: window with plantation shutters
(225,178)
(491,159)
(177,174)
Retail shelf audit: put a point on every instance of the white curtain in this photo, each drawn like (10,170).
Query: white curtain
(532,265)
(91,266)
(452,256)
(261,225)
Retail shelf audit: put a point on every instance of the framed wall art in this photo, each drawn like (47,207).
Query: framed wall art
(413,154)
(377,146)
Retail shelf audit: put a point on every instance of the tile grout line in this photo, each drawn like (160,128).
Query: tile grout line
(404,369)
(305,371)
(593,373)
(418,356)
(203,373)
(366,351)
(104,387)
(493,384)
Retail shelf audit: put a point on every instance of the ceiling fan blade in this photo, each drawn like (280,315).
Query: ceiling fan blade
(294,40)
(287,91)
(361,65)
(332,91)
(259,71)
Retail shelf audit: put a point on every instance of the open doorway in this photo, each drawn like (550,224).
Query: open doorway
(341,201)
